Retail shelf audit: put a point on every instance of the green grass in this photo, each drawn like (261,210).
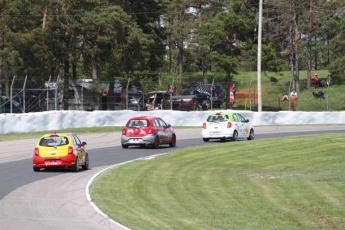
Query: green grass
(106,129)
(234,185)
(306,101)
(272,91)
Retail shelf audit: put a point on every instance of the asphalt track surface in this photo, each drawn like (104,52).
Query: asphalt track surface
(56,199)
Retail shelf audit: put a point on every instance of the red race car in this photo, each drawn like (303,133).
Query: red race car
(147,131)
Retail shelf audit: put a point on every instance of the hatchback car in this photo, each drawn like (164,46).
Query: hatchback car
(147,131)
(227,125)
(60,150)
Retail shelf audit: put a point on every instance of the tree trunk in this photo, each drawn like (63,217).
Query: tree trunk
(228,105)
(111,96)
(170,51)
(123,95)
(65,92)
(95,79)
(309,50)
(203,59)
(294,36)
(180,62)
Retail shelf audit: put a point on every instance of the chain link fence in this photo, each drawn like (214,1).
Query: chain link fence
(20,95)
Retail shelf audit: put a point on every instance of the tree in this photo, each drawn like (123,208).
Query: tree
(225,36)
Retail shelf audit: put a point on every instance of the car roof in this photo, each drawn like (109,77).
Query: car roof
(222,113)
(58,134)
(143,117)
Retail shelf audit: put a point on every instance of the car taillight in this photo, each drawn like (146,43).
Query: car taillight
(191,102)
(123,132)
(215,94)
(229,125)
(70,150)
(152,131)
(204,125)
(36,151)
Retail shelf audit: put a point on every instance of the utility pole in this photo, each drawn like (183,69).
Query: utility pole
(259,58)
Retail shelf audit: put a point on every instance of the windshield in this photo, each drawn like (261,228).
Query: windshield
(54,141)
(217,118)
(137,123)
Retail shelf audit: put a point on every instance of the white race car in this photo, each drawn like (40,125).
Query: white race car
(227,125)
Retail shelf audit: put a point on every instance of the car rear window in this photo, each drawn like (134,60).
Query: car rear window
(54,141)
(138,123)
(217,118)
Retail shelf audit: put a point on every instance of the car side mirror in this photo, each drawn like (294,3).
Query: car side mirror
(168,126)
(83,143)
(246,120)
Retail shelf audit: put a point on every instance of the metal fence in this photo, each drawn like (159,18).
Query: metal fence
(20,95)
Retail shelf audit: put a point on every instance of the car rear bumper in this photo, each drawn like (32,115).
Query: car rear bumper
(52,162)
(135,140)
(216,134)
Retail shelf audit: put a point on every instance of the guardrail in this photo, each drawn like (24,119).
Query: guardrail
(56,120)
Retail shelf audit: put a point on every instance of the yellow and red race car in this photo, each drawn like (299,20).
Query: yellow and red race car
(60,150)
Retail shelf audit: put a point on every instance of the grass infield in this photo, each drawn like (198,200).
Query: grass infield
(281,183)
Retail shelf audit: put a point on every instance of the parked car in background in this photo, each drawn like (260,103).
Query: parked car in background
(147,131)
(206,94)
(227,126)
(60,150)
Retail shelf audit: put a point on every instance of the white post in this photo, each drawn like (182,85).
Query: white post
(56,89)
(24,93)
(212,94)
(48,92)
(250,95)
(11,93)
(127,94)
(82,94)
(172,87)
(328,84)
(259,58)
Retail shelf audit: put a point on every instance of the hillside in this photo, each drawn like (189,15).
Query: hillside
(274,84)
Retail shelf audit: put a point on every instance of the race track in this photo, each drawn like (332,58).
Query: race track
(57,200)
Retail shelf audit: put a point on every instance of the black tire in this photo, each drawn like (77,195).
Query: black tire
(205,139)
(124,146)
(75,167)
(173,141)
(251,135)
(156,143)
(207,103)
(87,163)
(234,136)
(36,169)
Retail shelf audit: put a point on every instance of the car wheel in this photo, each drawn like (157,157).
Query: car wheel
(207,103)
(234,136)
(205,139)
(173,141)
(124,146)
(75,167)
(36,169)
(87,163)
(156,143)
(251,135)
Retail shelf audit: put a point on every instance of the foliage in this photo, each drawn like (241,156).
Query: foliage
(152,40)
(337,70)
